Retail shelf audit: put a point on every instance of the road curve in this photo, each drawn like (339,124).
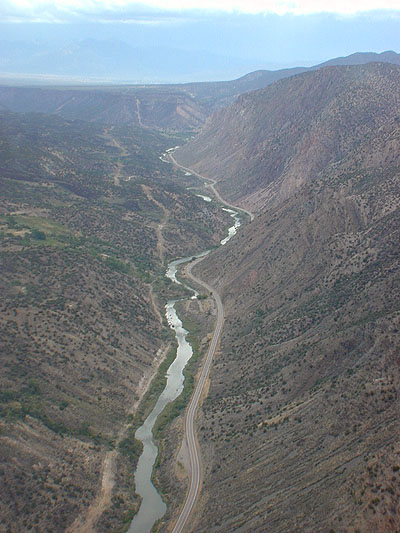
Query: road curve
(194,455)
(212,187)
(192,445)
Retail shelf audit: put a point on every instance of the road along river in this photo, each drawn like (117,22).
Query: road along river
(152,507)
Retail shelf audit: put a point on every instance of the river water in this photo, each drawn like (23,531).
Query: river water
(152,507)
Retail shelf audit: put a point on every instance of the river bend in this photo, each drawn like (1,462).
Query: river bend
(152,507)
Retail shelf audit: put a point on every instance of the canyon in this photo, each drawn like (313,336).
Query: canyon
(299,429)
(298,422)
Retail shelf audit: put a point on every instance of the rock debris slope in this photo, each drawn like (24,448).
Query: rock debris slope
(272,141)
(300,430)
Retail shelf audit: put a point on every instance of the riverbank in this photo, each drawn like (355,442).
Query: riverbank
(171,401)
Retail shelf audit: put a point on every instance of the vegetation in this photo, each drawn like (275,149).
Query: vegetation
(303,394)
(176,408)
(80,209)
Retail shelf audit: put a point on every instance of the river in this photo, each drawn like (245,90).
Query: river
(152,507)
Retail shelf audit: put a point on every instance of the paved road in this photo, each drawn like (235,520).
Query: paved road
(192,444)
(212,187)
(194,456)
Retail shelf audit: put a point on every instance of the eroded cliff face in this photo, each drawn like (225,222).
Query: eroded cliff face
(270,142)
(300,430)
(167,108)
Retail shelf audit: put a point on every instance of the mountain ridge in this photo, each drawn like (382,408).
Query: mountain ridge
(299,431)
(271,141)
(171,106)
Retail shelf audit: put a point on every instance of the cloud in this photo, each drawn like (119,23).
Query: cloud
(280,7)
(161,11)
(98,11)
(64,11)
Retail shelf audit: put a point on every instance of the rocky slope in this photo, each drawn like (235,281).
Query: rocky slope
(300,430)
(272,141)
(223,93)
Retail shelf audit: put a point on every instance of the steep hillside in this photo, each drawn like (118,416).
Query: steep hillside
(86,222)
(222,93)
(300,430)
(270,142)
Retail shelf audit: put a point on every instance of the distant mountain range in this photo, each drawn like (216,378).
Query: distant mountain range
(224,92)
(93,60)
(168,106)
(113,61)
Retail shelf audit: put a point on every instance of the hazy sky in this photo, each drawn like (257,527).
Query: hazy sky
(124,10)
(262,33)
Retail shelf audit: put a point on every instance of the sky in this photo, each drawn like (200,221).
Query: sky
(250,34)
(61,10)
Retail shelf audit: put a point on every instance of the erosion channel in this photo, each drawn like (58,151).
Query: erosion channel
(152,507)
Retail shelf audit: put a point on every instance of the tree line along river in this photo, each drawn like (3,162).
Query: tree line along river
(152,507)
